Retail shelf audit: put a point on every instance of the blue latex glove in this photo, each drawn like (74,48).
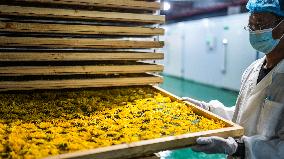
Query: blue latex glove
(214,144)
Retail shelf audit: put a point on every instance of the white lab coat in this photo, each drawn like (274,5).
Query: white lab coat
(262,119)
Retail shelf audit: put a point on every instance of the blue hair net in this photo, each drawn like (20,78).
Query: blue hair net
(272,6)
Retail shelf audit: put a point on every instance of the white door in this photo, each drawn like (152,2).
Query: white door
(201,52)
(237,53)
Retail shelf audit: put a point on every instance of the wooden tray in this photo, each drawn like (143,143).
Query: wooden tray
(87,81)
(41,12)
(148,147)
(123,4)
(79,56)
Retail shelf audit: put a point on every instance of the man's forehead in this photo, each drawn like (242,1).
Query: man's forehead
(265,16)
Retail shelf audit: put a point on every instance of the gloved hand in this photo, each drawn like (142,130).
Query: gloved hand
(214,144)
(200,104)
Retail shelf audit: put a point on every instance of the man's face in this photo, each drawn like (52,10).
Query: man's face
(260,21)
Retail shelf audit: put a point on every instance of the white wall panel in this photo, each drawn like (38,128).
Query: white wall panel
(194,50)
(174,49)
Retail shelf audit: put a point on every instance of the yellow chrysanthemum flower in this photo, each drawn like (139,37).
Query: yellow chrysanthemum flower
(38,125)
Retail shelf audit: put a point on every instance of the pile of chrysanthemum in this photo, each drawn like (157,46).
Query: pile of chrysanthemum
(37,125)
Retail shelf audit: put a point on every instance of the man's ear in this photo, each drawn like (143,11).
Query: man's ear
(278,31)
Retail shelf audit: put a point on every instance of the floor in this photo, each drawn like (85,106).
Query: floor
(184,88)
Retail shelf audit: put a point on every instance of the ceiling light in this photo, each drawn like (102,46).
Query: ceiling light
(166,6)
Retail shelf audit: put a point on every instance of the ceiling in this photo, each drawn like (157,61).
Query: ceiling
(187,9)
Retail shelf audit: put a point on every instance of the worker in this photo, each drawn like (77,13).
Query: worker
(260,104)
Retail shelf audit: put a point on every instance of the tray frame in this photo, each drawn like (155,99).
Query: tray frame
(148,147)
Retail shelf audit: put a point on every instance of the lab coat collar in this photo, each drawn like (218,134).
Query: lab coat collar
(268,78)
(265,81)
(280,67)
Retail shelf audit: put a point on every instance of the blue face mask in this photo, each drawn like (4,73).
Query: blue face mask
(262,40)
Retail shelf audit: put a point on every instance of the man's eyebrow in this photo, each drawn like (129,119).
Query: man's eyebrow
(265,19)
